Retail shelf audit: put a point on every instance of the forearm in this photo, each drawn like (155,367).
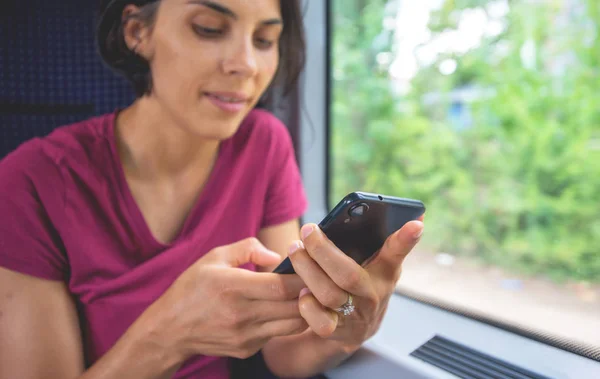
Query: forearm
(304,355)
(141,353)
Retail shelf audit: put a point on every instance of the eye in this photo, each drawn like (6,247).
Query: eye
(207,32)
(263,44)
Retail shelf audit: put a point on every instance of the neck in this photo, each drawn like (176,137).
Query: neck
(153,146)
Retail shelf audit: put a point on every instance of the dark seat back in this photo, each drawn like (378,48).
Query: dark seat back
(50,73)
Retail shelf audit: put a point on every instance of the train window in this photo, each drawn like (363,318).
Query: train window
(487,111)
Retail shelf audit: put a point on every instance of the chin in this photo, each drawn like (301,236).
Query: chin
(219,130)
(211,123)
(227,132)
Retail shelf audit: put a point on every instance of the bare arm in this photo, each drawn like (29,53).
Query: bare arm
(39,329)
(40,334)
(40,337)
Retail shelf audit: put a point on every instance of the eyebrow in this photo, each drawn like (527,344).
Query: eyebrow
(228,12)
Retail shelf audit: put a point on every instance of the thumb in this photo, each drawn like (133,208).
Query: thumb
(245,251)
(399,244)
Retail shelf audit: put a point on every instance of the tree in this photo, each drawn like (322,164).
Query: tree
(518,186)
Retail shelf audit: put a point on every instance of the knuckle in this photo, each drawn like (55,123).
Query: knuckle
(224,292)
(235,317)
(317,248)
(278,290)
(330,299)
(217,284)
(325,329)
(218,250)
(371,302)
(352,279)
(245,347)
(389,242)
(290,289)
(295,327)
(253,243)
(239,342)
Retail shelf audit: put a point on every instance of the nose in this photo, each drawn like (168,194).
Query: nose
(240,59)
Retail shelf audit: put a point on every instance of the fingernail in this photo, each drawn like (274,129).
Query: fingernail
(419,232)
(295,246)
(307,230)
(274,254)
(304,291)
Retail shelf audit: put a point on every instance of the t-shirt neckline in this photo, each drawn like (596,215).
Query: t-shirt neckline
(141,227)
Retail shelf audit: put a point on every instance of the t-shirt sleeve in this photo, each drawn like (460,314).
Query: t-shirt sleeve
(286,197)
(31,196)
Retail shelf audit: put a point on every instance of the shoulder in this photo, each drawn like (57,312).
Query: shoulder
(31,162)
(262,130)
(82,137)
(31,186)
(38,160)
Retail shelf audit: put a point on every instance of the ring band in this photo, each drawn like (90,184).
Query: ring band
(348,308)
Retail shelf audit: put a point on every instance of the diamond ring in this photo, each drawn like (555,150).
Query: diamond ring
(348,308)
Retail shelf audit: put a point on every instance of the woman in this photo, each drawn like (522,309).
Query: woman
(139,244)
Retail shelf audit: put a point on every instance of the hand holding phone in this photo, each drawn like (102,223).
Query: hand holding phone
(361,222)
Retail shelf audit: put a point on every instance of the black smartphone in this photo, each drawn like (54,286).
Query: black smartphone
(361,222)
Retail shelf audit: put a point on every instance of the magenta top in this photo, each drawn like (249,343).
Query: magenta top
(66,213)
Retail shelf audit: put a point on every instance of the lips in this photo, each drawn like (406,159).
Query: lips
(228,101)
(228,98)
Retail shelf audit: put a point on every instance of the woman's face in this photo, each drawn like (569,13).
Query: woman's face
(211,61)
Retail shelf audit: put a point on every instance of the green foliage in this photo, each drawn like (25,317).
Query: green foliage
(520,186)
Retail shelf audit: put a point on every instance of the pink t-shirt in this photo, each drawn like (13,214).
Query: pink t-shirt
(66,213)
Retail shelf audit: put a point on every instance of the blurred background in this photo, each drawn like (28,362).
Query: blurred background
(488,111)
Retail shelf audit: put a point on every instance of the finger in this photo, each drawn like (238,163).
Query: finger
(280,328)
(320,319)
(399,244)
(322,286)
(397,247)
(249,250)
(268,286)
(342,269)
(275,310)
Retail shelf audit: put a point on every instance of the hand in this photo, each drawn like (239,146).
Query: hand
(330,276)
(217,309)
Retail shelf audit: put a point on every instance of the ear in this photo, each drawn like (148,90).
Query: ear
(135,32)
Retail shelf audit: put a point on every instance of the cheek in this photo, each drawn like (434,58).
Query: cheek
(178,68)
(270,64)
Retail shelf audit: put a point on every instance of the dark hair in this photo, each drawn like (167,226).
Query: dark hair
(115,52)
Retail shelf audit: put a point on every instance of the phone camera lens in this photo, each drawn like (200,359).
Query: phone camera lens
(358,210)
